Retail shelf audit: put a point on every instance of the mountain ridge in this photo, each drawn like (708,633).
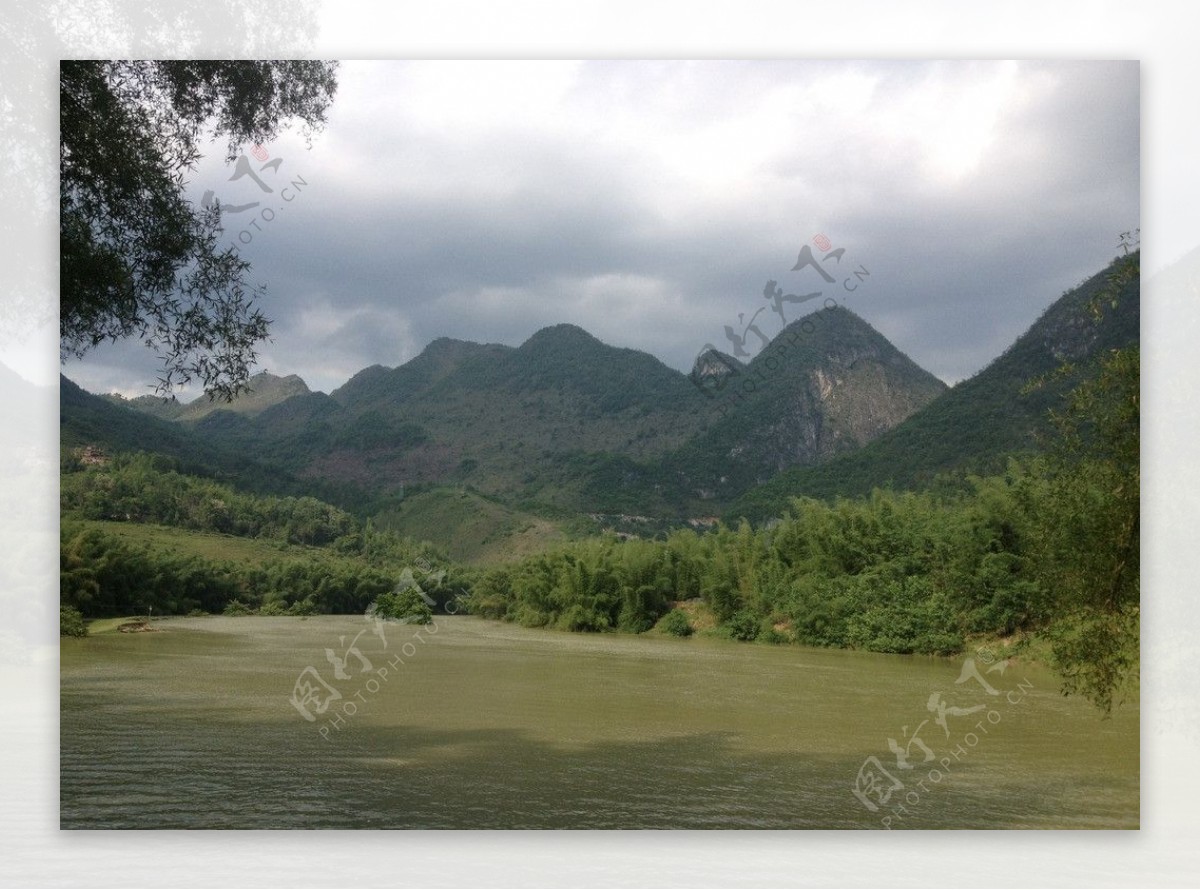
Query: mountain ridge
(565,425)
(263,390)
(570,422)
(981,420)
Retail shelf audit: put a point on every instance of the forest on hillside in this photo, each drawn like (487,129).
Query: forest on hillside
(1050,547)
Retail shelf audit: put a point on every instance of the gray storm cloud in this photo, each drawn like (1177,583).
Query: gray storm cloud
(649,202)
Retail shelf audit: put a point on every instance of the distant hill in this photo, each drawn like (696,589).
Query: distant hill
(486,448)
(110,426)
(979,422)
(155,406)
(115,424)
(264,390)
(567,422)
(491,416)
(561,389)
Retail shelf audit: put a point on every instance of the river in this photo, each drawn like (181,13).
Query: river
(479,724)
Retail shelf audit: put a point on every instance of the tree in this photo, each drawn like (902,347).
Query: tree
(136,257)
(71,623)
(1090,529)
(402,605)
(676,623)
(1090,533)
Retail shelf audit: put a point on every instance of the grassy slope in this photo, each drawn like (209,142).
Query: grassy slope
(207,545)
(471,528)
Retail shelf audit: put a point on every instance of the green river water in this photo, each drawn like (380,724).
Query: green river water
(479,724)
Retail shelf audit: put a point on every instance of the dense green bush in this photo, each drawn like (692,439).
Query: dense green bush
(103,575)
(595,585)
(71,623)
(144,488)
(743,625)
(768,634)
(328,562)
(402,605)
(676,623)
(236,607)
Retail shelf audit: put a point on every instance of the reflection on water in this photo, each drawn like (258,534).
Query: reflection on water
(485,725)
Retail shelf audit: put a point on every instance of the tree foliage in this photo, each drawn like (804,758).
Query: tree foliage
(402,605)
(676,624)
(150,489)
(897,572)
(318,559)
(104,575)
(137,258)
(1090,542)
(71,623)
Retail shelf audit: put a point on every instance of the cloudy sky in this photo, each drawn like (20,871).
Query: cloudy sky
(650,202)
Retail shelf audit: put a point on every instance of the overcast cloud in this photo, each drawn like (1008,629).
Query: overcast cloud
(649,202)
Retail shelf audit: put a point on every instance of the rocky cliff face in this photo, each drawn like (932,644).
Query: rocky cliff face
(825,385)
(866,399)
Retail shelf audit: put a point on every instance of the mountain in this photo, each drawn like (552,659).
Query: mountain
(117,425)
(263,391)
(504,420)
(567,423)
(827,384)
(561,386)
(111,426)
(979,422)
(155,406)
(713,368)
(487,450)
